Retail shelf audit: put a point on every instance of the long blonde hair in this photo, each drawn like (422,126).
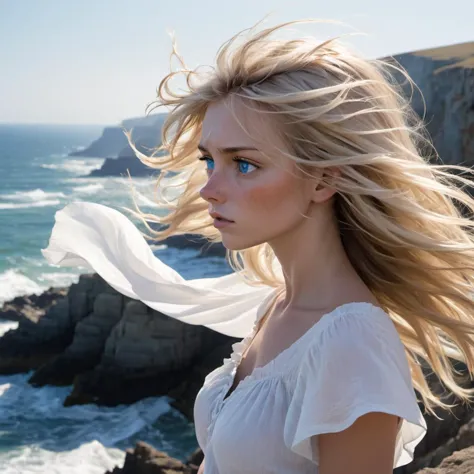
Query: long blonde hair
(400,216)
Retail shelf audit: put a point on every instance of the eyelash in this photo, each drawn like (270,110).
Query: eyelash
(235,159)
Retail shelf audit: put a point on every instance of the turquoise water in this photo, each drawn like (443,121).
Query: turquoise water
(37,434)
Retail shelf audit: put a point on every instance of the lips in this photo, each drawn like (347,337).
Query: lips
(219,217)
(221,223)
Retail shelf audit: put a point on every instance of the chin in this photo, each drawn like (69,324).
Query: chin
(239,244)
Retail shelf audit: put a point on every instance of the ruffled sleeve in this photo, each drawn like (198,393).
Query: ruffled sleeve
(355,365)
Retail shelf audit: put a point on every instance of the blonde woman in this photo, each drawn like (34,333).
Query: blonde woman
(353,265)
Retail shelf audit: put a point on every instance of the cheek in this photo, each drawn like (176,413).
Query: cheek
(275,197)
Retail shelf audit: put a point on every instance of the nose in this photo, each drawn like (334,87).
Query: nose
(214,189)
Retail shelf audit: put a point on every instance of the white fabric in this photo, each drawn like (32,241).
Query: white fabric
(349,363)
(104,240)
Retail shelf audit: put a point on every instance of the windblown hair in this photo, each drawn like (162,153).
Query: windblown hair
(404,221)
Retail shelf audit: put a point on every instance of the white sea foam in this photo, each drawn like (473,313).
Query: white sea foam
(5,326)
(13,283)
(58,279)
(48,202)
(33,195)
(32,198)
(88,188)
(77,166)
(54,439)
(89,458)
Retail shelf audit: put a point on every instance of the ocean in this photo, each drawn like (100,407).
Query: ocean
(37,434)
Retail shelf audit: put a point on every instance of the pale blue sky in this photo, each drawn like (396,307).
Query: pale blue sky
(100,61)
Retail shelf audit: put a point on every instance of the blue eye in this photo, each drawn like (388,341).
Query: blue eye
(209,161)
(242,165)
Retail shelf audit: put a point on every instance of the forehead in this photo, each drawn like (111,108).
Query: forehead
(237,126)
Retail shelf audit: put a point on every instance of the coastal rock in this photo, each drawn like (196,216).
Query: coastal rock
(112,142)
(44,332)
(31,307)
(442,430)
(454,432)
(109,143)
(144,459)
(36,340)
(461,462)
(146,354)
(111,348)
(90,334)
(120,166)
(445,76)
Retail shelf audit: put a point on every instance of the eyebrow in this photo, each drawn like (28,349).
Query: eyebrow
(231,149)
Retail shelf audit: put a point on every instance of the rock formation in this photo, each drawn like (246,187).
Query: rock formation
(445,76)
(110,143)
(144,459)
(120,166)
(113,142)
(113,349)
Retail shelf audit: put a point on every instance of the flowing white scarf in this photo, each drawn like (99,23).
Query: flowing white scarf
(102,239)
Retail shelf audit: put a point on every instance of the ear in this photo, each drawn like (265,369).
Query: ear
(323,190)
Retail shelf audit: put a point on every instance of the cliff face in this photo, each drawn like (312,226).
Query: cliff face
(119,167)
(111,348)
(446,79)
(110,143)
(113,143)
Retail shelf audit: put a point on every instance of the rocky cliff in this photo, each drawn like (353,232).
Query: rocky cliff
(112,349)
(113,142)
(445,77)
(119,167)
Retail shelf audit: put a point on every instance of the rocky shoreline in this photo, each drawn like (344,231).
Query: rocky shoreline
(110,348)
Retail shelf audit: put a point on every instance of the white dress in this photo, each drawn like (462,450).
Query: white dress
(349,363)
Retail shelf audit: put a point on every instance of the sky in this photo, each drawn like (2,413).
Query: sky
(100,61)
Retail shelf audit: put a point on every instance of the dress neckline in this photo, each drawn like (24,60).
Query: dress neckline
(240,348)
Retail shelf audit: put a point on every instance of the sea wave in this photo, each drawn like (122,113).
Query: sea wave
(43,436)
(33,195)
(80,167)
(32,198)
(45,203)
(13,283)
(89,458)
(6,326)
(88,188)
(59,279)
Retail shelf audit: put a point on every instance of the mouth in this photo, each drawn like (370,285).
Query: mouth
(218,217)
(220,222)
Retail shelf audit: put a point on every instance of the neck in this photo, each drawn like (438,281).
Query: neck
(315,266)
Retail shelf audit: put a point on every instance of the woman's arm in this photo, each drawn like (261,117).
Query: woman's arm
(201,468)
(367,446)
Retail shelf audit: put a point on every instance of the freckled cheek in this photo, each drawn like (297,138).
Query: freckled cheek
(269,199)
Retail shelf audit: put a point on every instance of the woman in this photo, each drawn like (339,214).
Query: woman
(302,158)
